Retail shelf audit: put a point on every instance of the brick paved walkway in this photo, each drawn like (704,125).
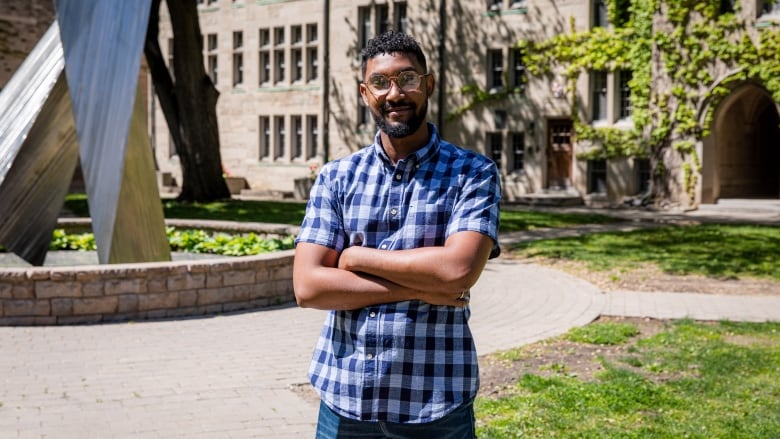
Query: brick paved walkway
(232,376)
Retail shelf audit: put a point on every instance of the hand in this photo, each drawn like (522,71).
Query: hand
(344,257)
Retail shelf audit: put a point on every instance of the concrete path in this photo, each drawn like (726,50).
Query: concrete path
(234,376)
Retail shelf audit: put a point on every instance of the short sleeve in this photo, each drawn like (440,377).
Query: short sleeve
(323,223)
(477,206)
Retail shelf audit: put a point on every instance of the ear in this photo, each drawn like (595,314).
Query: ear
(430,84)
(363,93)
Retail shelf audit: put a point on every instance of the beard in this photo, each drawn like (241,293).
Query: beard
(400,129)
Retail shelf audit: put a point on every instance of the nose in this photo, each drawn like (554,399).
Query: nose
(394,89)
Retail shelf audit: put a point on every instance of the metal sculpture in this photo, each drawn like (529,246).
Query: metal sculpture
(96,114)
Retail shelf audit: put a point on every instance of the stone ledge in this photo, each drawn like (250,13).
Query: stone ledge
(151,290)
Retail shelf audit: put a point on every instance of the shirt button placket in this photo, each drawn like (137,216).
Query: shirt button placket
(372,336)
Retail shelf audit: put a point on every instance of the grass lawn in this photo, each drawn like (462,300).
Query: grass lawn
(278,212)
(722,251)
(291,212)
(519,220)
(689,379)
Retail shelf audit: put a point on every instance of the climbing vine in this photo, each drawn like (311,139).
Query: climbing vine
(684,55)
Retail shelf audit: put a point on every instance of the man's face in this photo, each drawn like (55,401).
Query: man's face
(398,113)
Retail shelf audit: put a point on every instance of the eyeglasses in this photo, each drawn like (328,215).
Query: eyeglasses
(380,85)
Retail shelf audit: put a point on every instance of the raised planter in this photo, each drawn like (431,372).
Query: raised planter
(152,290)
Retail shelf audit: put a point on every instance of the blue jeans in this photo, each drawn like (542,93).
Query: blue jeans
(459,424)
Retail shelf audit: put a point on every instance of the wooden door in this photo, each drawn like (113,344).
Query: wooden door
(559,153)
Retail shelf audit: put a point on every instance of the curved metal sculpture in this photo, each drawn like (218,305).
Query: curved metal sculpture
(96,114)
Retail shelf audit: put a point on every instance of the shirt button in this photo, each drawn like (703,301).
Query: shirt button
(383,246)
(397,176)
(393,211)
(370,356)
(372,314)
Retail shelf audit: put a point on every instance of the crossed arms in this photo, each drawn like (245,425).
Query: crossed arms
(362,276)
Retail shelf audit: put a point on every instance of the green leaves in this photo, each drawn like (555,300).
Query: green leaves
(198,241)
(191,241)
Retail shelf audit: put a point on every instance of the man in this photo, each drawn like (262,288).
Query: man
(394,237)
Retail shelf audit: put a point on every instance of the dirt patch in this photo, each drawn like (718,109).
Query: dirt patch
(649,278)
(556,357)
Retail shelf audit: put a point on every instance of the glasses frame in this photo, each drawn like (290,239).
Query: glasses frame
(394,80)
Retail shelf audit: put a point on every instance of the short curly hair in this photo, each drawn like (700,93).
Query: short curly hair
(391,42)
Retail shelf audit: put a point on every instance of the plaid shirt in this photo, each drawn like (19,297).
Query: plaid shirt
(407,362)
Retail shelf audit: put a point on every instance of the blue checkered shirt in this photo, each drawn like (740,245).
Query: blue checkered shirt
(407,362)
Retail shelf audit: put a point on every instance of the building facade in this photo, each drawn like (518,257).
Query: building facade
(288,73)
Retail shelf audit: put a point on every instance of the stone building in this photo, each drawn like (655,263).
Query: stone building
(288,74)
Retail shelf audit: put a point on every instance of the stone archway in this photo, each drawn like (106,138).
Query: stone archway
(741,158)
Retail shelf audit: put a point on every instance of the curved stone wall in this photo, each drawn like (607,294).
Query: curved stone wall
(154,290)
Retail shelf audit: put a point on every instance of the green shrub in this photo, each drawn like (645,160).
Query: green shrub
(190,241)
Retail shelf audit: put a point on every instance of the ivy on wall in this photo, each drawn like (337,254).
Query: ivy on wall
(689,42)
(684,55)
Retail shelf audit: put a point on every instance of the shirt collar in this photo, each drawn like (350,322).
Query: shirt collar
(420,156)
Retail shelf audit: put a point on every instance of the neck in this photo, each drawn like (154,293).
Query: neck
(398,149)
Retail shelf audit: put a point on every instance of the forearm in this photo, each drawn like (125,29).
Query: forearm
(333,288)
(454,267)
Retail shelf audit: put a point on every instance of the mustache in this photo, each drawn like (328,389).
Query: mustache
(390,106)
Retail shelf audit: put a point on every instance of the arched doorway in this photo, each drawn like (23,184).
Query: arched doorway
(741,158)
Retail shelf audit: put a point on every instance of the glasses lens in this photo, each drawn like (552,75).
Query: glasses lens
(379,83)
(408,81)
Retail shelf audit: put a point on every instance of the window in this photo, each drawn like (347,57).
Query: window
(518,70)
(265,137)
(382,19)
(296,33)
(278,36)
(499,119)
(280,137)
(643,175)
(600,14)
(495,147)
(518,151)
(726,7)
(280,65)
(297,64)
(624,105)
(364,23)
(264,37)
(212,57)
(400,21)
(311,33)
(170,58)
(495,80)
(313,135)
(312,63)
(597,176)
(598,81)
(238,58)
(364,113)
(297,139)
(170,54)
(265,67)
(279,55)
